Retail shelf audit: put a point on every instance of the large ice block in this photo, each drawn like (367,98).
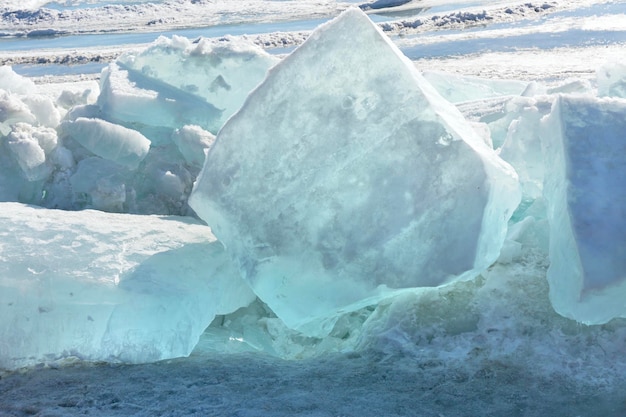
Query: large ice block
(611,79)
(345,177)
(116,143)
(108,287)
(585,165)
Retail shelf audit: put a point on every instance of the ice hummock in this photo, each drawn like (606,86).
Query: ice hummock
(108,287)
(585,167)
(346,177)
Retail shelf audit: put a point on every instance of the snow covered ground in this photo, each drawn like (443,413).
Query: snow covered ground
(489,347)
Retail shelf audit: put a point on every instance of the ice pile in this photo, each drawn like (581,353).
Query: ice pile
(140,146)
(108,287)
(346,177)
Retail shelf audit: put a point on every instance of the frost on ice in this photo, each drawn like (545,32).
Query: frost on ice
(585,152)
(108,287)
(345,177)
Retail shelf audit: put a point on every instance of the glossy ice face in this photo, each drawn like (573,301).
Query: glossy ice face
(345,177)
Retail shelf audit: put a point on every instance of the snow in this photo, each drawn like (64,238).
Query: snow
(489,346)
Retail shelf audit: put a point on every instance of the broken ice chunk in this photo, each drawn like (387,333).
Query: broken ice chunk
(28,146)
(457,88)
(193,142)
(108,287)
(585,155)
(345,177)
(131,98)
(611,79)
(202,82)
(110,141)
(522,146)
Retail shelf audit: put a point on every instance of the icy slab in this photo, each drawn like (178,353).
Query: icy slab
(611,78)
(458,88)
(14,83)
(522,144)
(116,143)
(108,287)
(28,146)
(193,142)
(585,170)
(183,82)
(346,177)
